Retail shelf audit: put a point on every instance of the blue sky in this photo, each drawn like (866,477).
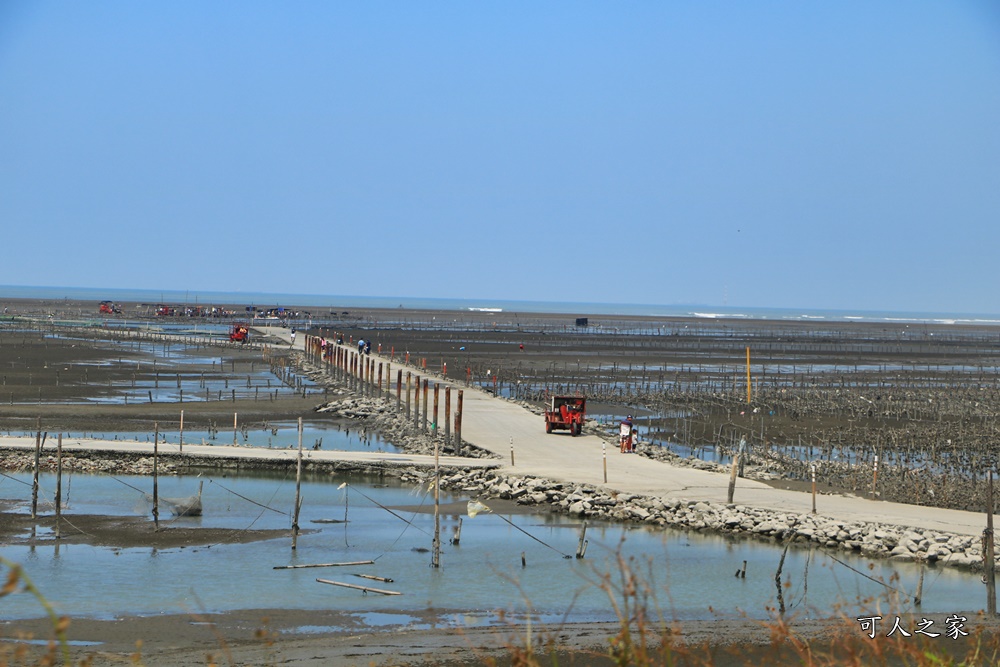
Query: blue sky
(840,155)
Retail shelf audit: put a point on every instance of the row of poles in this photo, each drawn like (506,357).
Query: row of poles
(372,377)
(414,394)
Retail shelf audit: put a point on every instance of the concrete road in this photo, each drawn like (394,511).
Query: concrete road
(493,424)
(71,445)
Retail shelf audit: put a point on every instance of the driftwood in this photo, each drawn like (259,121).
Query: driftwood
(295,567)
(363,589)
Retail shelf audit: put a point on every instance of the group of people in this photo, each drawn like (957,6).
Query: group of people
(326,347)
(629,436)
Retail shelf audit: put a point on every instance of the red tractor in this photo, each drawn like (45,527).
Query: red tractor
(566,413)
(110,308)
(239,333)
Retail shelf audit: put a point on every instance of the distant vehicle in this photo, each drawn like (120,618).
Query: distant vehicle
(239,333)
(566,413)
(110,308)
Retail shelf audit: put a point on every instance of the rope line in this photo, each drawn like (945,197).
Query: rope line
(16,479)
(264,508)
(409,523)
(530,535)
(375,502)
(857,571)
(212,481)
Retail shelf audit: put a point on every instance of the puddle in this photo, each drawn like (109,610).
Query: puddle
(45,642)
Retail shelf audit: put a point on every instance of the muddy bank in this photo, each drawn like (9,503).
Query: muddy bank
(119,532)
(323,638)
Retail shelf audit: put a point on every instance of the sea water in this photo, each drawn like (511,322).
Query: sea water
(338,302)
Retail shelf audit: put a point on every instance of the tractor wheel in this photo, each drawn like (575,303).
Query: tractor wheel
(579,429)
(548,427)
(573,430)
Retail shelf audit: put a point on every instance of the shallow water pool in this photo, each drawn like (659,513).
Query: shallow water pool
(516,564)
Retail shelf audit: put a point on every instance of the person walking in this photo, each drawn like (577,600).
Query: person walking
(625,435)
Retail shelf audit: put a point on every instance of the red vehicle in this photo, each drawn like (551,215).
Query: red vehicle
(566,413)
(110,308)
(239,333)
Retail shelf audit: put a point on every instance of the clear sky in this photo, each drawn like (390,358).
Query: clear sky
(790,154)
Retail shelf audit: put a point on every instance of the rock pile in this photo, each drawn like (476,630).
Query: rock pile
(380,416)
(871,539)
(120,464)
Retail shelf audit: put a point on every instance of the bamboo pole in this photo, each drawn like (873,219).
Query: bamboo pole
(298,488)
(364,589)
(156,491)
(298,567)
(990,565)
(34,483)
(748,374)
(436,551)
(58,486)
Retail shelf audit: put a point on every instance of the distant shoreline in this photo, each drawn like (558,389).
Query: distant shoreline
(14,293)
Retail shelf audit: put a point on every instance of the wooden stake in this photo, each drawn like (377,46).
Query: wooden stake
(424,423)
(732,476)
(581,547)
(434,424)
(447,413)
(813,468)
(919,596)
(875,476)
(458,424)
(777,580)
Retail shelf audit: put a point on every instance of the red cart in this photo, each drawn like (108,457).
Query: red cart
(566,413)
